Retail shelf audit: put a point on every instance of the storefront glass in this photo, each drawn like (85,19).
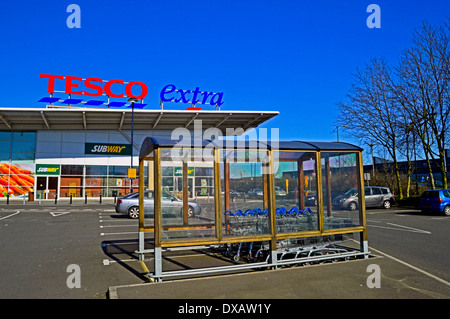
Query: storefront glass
(16,163)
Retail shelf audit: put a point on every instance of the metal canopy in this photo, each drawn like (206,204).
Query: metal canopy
(151,143)
(317,146)
(32,119)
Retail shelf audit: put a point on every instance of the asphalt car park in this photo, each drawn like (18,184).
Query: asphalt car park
(38,245)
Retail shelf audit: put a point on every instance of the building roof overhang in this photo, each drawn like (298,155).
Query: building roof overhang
(33,119)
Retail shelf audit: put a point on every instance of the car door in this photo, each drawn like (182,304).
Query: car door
(149,203)
(170,205)
(368,196)
(377,197)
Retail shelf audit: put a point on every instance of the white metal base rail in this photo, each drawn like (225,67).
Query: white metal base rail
(273,261)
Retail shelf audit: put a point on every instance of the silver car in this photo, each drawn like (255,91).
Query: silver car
(375,196)
(129,205)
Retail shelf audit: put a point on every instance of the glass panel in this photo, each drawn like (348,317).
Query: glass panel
(23,146)
(295,191)
(22,156)
(340,190)
(198,218)
(5,136)
(96,170)
(149,208)
(245,206)
(118,170)
(96,181)
(72,170)
(95,191)
(74,191)
(71,185)
(24,136)
(4,156)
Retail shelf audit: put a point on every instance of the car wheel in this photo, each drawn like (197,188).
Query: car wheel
(133,212)
(352,206)
(387,204)
(190,211)
(447,210)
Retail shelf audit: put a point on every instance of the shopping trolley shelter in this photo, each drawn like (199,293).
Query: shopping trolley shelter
(263,204)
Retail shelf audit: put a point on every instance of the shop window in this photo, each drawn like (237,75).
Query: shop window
(72,170)
(118,170)
(96,170)
(96,181)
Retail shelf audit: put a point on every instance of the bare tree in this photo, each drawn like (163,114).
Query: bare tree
(397,111)
(371,113)
(423,92)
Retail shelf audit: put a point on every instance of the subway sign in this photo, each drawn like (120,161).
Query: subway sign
(48,169)
(107,149)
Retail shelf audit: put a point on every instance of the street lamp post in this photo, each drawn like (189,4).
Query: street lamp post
(337,131)
(132,100)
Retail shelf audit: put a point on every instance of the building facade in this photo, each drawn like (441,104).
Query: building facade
(87,152)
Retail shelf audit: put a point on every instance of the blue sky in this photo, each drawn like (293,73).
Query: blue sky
(295,57)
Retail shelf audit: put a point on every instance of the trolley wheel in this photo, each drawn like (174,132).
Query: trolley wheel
(236,258)
(306,264)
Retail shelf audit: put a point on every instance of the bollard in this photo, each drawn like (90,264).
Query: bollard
(7,199)
(56,198)
(70,199)
(100,198)
(115,197)
(85,198)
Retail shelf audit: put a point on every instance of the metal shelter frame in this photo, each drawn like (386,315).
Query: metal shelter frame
(297,152)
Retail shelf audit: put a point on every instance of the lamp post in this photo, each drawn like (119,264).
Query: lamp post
(337,131)
(132,100)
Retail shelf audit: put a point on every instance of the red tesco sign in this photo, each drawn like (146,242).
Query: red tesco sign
(94,84)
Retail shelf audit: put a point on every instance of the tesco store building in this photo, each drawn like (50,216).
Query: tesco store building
(84,139)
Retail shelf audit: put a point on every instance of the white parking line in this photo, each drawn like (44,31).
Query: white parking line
(402,228)
(106,226)
(124,233)
(56,214)
(411,228)
(10,215)
(412,267)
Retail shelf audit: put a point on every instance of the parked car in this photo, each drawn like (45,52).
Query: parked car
(255,192)
(279,191)
(129,205)
(437,200)
(375,196)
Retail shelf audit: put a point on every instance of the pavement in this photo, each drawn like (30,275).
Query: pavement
(355,279)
